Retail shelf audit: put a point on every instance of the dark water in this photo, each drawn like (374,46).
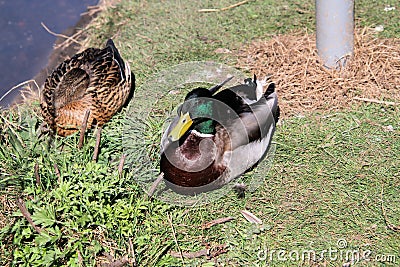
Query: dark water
(24,44)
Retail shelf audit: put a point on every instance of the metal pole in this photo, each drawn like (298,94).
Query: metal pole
(335,31)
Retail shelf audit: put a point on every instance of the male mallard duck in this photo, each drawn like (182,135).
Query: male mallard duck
(97,80)
(217,137)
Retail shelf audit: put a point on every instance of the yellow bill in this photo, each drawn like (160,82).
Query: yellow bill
(181,127)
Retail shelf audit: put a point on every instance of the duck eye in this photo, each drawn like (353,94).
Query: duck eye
(184,120)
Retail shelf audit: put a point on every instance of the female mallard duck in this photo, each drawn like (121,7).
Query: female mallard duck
(95,80)
(217,137)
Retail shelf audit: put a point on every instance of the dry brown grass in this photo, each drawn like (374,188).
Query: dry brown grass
(304,85)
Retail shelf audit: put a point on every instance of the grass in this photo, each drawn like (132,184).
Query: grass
(334,178)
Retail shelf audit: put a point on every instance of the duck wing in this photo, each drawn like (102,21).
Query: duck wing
(250,133)
(246,114)
(110,81)
(66,84)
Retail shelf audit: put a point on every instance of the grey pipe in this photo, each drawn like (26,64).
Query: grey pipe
(335,31)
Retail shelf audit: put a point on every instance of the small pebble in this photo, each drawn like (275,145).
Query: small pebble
(174,92)
(379,28)
(222,50)
(389,128)
(389,8)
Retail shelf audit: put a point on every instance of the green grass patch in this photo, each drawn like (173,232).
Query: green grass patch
(330,176)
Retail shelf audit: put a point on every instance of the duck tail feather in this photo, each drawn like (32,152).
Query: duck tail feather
(215,88)
(110,43)
(270,89)
(117,57)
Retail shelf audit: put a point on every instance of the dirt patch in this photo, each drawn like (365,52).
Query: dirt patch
(7,207)
(304,85)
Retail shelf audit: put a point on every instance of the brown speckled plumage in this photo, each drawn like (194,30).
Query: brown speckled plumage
(95,79)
